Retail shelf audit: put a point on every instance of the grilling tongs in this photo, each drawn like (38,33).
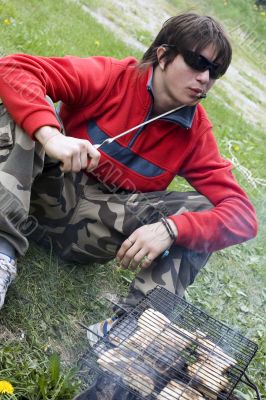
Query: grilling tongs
(110,140)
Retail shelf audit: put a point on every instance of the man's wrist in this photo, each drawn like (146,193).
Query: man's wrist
(171,230)
(45,133)
(173,227)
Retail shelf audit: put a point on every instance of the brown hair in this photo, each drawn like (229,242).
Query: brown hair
(190,31)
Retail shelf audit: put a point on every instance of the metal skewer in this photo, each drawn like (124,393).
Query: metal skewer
(110,140)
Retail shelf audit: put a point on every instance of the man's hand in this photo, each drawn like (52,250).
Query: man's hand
(144,245)
(73,153)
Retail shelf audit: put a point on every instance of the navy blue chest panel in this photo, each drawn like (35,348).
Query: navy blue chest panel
(122,154)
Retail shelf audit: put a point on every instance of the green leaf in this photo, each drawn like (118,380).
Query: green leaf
(54,368)
(42,386)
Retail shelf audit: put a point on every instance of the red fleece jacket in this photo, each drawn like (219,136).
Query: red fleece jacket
(103,97)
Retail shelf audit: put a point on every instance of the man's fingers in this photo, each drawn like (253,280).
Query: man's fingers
(124,248)
(84,160)
(66,164)
(137,259)
(127,252)
(72,152)
(144,245)
(93,157)
(131,255)
(125,262)
(146,261)
(76,162)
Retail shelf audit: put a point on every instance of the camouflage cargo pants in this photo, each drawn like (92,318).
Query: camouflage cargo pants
(81,217)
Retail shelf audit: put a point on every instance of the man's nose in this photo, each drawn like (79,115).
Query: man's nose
(204,76)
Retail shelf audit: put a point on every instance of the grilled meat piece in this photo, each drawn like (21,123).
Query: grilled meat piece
(177,337)
(216,354)
(152,322)
(208,378)
(178,390)
(138,342)
(133,372)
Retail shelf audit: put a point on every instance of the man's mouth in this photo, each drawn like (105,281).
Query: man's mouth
(198,93)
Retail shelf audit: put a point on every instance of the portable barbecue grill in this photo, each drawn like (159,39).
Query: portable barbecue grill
(166,348)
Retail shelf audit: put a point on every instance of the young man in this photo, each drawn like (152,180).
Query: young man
(95,205)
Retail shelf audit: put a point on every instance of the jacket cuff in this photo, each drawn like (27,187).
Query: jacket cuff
(183,227)
(38,119)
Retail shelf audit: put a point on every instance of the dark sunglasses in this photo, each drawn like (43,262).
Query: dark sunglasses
(200,63)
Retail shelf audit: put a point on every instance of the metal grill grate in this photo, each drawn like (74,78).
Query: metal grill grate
(165,349)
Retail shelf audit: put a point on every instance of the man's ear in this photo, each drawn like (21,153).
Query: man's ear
(160,52)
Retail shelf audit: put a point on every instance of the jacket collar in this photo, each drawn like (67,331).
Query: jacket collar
(183,117)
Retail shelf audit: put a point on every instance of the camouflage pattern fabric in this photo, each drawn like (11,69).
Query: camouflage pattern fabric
(21,160)
(82,218)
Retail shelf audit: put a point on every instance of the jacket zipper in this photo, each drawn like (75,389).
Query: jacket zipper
(136,135)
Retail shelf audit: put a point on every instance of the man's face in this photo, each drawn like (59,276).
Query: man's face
(181,84)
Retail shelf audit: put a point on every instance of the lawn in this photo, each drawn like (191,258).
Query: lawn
(40,336)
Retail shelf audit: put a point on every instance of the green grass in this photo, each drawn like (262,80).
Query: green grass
(49,298)
(54,28)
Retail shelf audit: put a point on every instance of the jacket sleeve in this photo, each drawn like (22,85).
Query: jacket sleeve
(232,220)
(25,80)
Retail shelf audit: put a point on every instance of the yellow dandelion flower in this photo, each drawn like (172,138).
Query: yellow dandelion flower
(6,387)
(7,21)
(97,43)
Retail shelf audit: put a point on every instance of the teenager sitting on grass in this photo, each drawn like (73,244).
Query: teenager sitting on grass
(95,205)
